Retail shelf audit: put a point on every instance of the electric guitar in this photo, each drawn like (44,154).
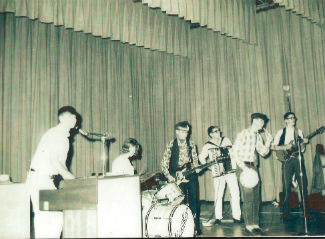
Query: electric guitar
(284,155)
(185,171)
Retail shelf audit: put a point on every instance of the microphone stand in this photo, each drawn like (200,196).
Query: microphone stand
(302,184)
(104,155)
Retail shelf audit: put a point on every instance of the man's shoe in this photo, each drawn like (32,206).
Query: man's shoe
(249,230)
(238,221)
(259,230)
(217,221)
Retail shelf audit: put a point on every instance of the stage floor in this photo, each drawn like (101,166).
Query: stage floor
(270,217)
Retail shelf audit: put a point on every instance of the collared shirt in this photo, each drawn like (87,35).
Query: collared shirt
(247,144)
(122,165)
(51,153)
(183,156)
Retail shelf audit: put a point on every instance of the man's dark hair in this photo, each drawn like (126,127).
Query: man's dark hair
(286,115)
(211,128)
(67,108)
(182,124)
(259,116)
(129,142)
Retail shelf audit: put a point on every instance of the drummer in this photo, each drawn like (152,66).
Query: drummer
(122,164)
(249,143)
(222,173)
(179,153)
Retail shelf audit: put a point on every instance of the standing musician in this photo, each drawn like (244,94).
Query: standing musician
(286,139)
(218,146)
(48,166)
(249,143)
(179,153)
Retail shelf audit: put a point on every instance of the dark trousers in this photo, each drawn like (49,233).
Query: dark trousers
(290,168)
(251,199)
(191,192)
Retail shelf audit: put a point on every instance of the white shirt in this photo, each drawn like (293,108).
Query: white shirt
(288,137)
(122,165)
(51,153)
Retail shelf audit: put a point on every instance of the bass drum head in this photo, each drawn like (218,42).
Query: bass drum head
(166,220)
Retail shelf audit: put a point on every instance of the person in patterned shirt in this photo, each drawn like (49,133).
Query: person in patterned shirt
(179,153)
(248,144)
(221,174)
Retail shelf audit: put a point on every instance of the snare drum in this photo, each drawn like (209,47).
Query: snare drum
(171,192)
(167,220)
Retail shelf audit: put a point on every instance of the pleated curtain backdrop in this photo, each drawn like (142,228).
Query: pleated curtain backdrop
(121,20)
(233,18)
(312,10)
(135,92)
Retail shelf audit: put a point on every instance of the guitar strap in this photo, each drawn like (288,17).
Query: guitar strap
(283,136)
(209,142)
(296,135)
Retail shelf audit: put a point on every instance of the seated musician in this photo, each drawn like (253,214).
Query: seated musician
(222,173)
(122,164)
(179,153)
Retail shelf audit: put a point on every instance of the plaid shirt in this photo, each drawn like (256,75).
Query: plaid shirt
(246,147)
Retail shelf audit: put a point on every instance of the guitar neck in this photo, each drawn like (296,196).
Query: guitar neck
(190,171)
(310,136)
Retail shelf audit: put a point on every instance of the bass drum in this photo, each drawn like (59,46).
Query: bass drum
(167,220)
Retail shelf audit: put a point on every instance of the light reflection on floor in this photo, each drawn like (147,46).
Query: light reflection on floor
(270,217)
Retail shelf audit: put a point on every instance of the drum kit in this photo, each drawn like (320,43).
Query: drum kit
(163,213)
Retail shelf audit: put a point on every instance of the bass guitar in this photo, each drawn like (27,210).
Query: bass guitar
(284,155)
(185,171)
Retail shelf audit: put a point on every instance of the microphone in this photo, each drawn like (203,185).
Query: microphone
(87,134)
(83,132)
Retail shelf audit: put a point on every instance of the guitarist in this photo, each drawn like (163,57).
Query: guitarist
(179,153)
(285,143)
(211,150)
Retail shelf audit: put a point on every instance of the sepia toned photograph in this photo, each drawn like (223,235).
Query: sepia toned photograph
(162,118)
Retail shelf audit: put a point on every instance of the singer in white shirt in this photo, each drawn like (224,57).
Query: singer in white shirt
(122,164)
(49,160)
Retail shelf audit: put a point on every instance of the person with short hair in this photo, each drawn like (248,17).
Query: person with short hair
(285,139)
(218,146)
(248,144)
(49,163)
(181,152)
(122,164)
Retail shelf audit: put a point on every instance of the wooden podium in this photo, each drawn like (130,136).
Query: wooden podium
(97,207)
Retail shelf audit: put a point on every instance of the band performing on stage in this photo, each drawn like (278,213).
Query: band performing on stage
(170,196)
